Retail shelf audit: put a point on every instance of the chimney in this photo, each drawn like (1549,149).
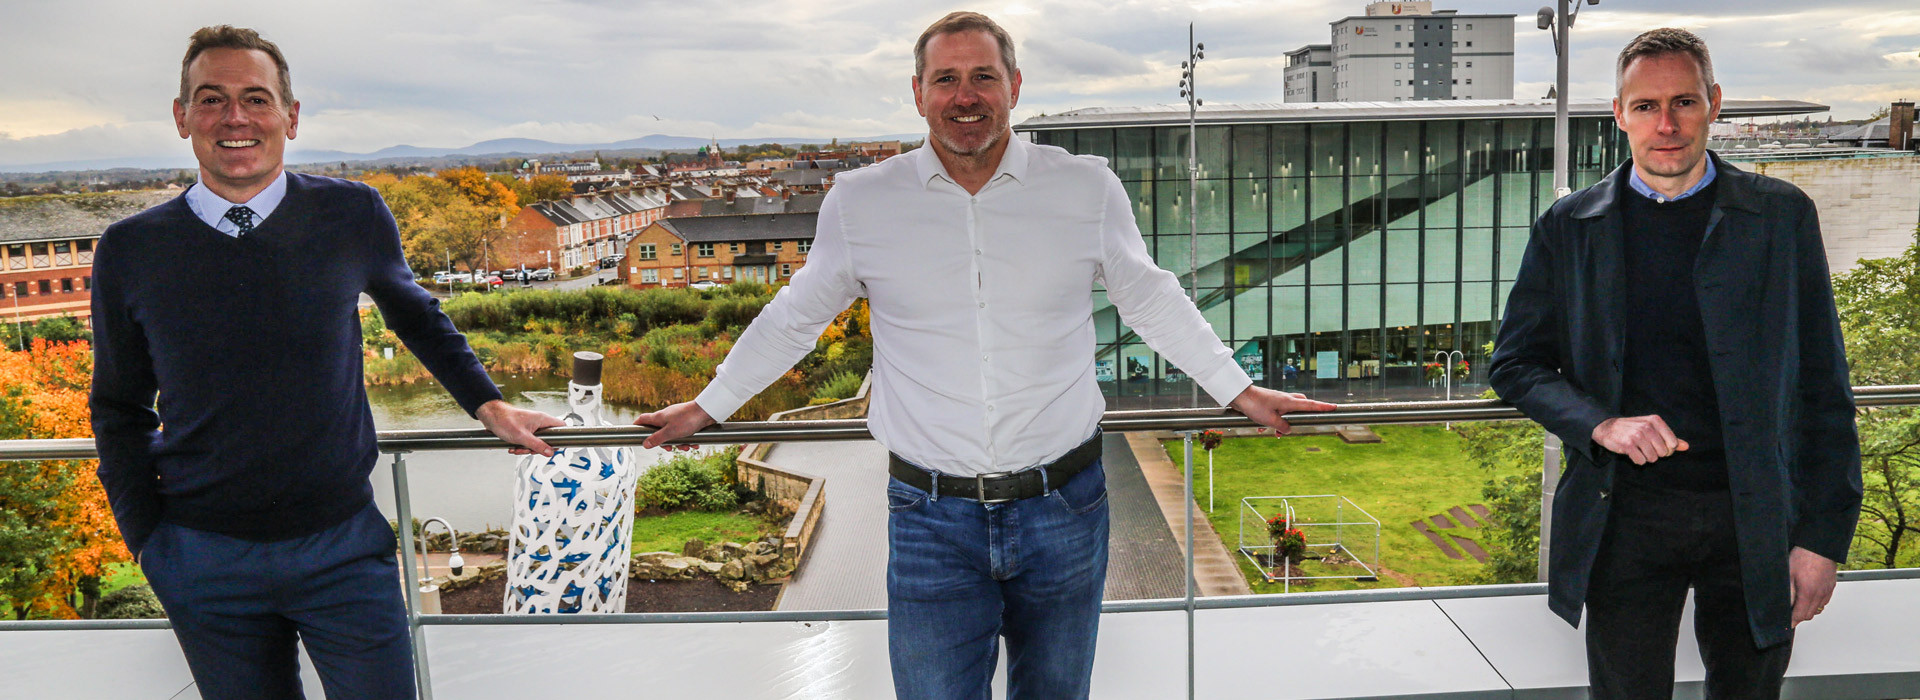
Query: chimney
(1900,126)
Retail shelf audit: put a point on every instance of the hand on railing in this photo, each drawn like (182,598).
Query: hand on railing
(674,422)
(1266,407)
(517,426)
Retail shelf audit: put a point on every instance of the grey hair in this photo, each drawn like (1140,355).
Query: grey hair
(955,23)
(1661,42)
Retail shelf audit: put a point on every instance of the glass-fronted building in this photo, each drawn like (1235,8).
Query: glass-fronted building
(1345,249)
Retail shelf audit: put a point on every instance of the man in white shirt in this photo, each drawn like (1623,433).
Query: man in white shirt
(978,254)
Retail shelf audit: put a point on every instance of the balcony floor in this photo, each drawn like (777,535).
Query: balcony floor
(1867,645)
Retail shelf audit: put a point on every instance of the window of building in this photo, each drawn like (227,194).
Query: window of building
(649,276)
(63,253)
(1469,44)
(1426,65)
(726,272)
(1469,81)
(40,255)
(786,269)
(1456,27)
(19,289)
(87,282)
(699,273)
(1396,44)
(66,285)
(1456,44)
(704,250)
(1396,83)
(1424,82)
(776,246)
(1396,27)
(676,249)
(1456,81)
(806,246)
(1456,64)
(1469,64)
(1396,66)
(733,248)
(86,252)
(1469,27)
(647,252)
(17,257)
(46,286)
(679,272)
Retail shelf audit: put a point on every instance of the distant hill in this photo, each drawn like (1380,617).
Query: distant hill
(534,147)
(520,148)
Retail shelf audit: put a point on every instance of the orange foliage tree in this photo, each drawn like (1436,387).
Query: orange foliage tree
(50,382)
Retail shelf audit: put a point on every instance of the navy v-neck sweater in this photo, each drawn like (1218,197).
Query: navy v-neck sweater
(253,346)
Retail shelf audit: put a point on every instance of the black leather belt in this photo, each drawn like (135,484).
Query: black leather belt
(1000,487)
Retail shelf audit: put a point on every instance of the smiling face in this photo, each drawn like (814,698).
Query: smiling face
(1665,107)
(967,95)
(237,119)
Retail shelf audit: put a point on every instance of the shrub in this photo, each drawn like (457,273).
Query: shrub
(695,482)
(130,603)
(841,386)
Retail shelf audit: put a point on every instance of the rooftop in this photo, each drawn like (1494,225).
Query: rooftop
(743,227)
(56,217)
(1277,112)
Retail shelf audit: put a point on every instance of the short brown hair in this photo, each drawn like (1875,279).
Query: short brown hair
(956,23)
(1661,42)
(227,36)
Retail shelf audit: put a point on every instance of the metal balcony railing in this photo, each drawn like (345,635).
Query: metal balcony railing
(1183,421)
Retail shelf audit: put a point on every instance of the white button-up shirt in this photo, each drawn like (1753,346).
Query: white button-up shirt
(982,307)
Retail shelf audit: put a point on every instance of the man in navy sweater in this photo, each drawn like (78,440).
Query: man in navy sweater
(251,512)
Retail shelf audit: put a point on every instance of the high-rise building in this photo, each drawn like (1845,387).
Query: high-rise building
(1405,52)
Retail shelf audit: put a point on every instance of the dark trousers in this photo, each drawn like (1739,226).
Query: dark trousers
(238,607)
(1659,543)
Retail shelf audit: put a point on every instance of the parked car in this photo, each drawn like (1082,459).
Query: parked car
(704,285)
(612,260)
(491,280)
(445,277)
(542,274)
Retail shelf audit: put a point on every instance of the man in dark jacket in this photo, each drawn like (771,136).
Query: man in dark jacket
(1675,326)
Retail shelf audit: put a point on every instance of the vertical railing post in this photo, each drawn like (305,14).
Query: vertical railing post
(1549,482)
(1187,439)
(403,506)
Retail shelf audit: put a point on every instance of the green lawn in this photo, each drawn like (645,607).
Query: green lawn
(667,533)
(1418,471)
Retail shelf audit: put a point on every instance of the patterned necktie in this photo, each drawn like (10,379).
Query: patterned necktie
(241,217)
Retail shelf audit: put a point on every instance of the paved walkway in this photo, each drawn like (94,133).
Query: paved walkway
(846,564)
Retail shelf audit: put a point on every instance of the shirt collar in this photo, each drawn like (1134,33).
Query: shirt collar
(1013,161)
(212,208)
(1641,186)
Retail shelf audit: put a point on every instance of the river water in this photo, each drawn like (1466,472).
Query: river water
(472,489)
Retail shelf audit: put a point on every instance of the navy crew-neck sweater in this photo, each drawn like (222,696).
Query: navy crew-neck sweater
(253,345)
(1666,370)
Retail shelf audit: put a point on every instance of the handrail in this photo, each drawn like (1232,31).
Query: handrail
(402,441)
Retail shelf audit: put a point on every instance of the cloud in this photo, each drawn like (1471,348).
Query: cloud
(373,74)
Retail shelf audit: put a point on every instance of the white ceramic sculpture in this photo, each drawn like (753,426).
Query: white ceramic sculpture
(572,535)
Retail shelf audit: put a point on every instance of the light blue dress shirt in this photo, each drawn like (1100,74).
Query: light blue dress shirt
(212,209)
(1641,186)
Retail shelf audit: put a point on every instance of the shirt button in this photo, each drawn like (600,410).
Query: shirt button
(983,305)
(983,358)
(976,251)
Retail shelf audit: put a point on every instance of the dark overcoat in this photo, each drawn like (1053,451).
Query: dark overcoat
(1774,346)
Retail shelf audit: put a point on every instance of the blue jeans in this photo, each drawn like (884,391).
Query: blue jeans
(238,606)
(962,574)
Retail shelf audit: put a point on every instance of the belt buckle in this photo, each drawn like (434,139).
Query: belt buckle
(980,487)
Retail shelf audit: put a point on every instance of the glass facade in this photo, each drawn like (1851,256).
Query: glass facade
(1337,258)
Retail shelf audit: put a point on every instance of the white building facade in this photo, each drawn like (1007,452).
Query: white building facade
(1407,52)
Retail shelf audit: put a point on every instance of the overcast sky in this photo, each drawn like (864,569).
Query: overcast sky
(87,80)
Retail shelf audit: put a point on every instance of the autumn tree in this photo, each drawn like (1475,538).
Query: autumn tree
(440,223)
(29,500)
(50,381)
(547,188)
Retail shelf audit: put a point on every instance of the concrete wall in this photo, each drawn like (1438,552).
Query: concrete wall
(1868,206)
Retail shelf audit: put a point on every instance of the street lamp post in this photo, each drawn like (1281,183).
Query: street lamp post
(1559,22)
(1195,52)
